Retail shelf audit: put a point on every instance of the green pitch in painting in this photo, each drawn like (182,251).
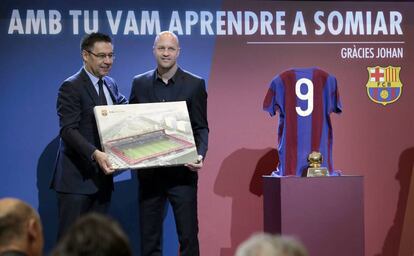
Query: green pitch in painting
(147,135)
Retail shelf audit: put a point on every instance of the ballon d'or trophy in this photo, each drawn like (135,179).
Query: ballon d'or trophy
(315,169)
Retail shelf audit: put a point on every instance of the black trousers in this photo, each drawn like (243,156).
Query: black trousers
(72,206)
(178,185)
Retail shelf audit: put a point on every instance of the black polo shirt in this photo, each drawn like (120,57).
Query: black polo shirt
(164,91)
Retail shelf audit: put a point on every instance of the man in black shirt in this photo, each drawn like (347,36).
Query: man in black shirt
(178,184)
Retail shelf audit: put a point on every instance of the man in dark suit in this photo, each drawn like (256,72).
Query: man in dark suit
(176,184)
(83,174)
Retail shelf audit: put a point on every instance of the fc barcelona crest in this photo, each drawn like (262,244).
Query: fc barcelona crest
(384,85)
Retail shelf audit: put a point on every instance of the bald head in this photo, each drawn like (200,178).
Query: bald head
(9,204)
(166,35)
(20,227)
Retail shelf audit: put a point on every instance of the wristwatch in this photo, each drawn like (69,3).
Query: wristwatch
(199,159)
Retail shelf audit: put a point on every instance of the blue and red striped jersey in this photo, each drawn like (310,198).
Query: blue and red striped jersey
(304,98)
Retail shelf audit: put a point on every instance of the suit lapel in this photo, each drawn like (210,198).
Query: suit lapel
(110,88)
(179,83)
(151,89)
(89,86)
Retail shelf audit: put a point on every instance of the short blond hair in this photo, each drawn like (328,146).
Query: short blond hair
(263,244)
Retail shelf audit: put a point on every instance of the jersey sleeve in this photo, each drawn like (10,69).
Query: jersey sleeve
(335,101)
(272,100)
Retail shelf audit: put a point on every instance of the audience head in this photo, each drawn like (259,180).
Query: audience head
(270,245)
(94,234)
(20,228)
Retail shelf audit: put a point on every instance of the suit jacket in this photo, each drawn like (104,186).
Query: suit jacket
(189,88)
(75,171)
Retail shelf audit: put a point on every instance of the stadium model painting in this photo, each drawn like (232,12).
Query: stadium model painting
(146,135)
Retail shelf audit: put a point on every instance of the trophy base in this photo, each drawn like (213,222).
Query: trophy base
(316,172)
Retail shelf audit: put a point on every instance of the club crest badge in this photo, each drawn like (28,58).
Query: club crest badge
(384,85)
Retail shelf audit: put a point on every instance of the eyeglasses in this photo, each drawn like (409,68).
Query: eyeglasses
(102,56)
